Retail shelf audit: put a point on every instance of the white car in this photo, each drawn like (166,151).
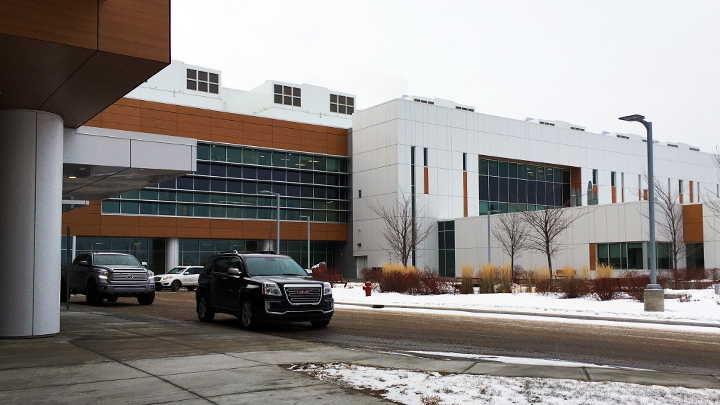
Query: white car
(181,276)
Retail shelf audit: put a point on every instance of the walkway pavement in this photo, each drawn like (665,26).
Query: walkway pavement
(122,358)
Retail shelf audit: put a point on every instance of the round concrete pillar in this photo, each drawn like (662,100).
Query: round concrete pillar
(172,253)
(30,222)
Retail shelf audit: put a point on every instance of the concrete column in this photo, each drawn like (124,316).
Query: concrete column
(30,222)
(172,253)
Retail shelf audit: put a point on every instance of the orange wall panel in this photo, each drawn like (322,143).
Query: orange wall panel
(693,223)
(593,260)
(465,195)
(613,195)
(427,185)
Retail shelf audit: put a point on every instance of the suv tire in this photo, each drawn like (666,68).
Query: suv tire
(92,296)
(248,319)
(205,314)
(111,298)
(320,324)
(175,286)
(146,299)
(190,288)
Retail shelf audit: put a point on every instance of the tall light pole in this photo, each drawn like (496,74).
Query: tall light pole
(308,226)
(654,299)
(488,217)
(277,248)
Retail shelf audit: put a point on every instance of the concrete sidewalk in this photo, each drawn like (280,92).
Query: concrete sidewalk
(122,358)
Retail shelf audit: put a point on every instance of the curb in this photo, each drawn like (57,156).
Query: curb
(529,313)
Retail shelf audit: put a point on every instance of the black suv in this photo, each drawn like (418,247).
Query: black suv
(262,287)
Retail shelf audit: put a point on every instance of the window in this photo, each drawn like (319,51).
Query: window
(425,157)
(342,104)
(203,81)
(446,248)
(680,187)
(417,100)
(595,176)
(287,95)
(464,162)
(457,107)
(612,179)
(547,123)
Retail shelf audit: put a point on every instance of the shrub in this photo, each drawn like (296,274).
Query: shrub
(432,284)
(399,279)
(321,272)
(519,275)
(544,286)
(372,274)
(584,272)
(605,288)
(603,271)
(637,284)
(466,281)
(572,287)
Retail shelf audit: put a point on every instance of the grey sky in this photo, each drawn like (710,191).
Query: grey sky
(585,62)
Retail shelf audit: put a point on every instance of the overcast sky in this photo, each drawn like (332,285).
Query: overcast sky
(584,62)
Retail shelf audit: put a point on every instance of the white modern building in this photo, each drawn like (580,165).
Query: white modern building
(458,164)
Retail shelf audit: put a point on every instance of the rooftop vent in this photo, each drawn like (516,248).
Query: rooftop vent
(577,129)
(417,100)
(623,136)
(547,123)
(695,149)
(457,107)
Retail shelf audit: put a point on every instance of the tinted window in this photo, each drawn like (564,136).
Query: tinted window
(221,265)
(268,266)
(115,260)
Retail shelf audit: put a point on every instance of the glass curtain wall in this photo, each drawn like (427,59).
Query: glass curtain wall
(509,186)
(629,256)
(229,180)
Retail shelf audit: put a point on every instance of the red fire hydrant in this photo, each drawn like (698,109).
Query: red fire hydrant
(367,288)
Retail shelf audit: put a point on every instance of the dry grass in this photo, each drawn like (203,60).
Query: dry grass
(389,267)
(466,282)
(568,270)
(542,273)
(488,275)
(584,272)
(603,271)
(505,273)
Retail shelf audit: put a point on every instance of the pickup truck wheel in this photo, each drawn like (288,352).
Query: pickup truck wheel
(175,286)
(190,288)
(205,314)
(92,296)
(247,315)
(319,324)
(63,291)
(146,299)
(112,298)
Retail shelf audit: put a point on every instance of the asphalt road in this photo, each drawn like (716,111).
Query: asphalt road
(383,329)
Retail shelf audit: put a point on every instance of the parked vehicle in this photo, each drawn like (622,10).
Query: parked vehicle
(181,276)
(262,287)
(108,276)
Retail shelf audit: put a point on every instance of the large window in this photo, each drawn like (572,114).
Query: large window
(446,248)
(194,252)
(508,186)
(621,256)
(229,181)
(319,252)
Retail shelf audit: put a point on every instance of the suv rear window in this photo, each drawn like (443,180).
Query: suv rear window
(273,266)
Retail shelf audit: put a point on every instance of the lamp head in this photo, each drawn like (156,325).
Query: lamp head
(634,117)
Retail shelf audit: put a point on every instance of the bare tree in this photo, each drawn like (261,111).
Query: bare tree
(714,204)
(403,231)
(512,232)
(671,227)
(546,227)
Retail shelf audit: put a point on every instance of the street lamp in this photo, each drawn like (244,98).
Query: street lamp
(488,217)
(308,221)
(654,299)
(277,248)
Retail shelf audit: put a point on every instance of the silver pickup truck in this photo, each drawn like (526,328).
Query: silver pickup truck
(108,276)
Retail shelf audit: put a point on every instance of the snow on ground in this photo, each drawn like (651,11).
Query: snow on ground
(703,305)
(425,388)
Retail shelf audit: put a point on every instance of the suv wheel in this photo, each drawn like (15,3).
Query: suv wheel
(92,296)
(146,299)
(247,315)
(112,298)
(175,286)
(205,314)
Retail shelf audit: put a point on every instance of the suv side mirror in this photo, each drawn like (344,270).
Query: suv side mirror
(144,264)
(233,271)
(83,263)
